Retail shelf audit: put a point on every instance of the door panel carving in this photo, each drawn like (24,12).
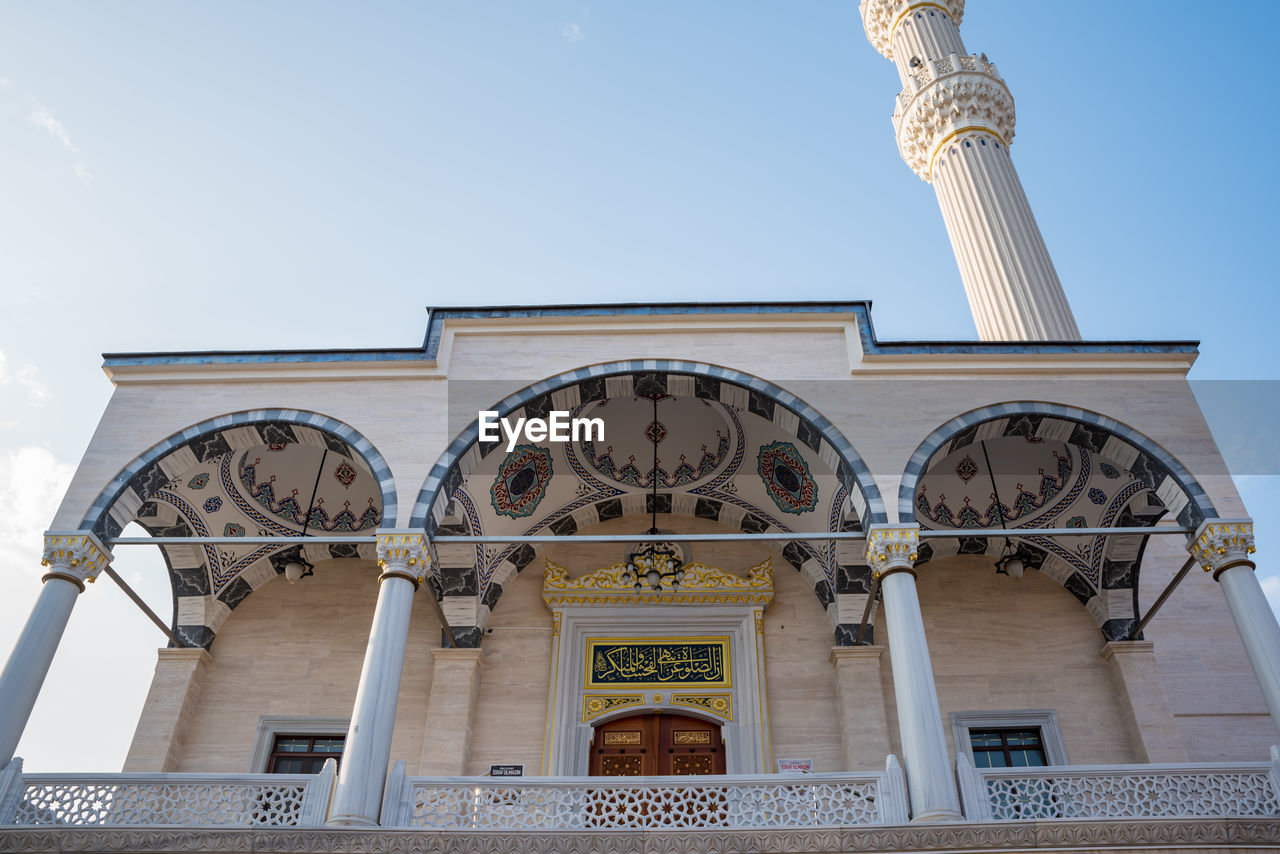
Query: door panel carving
(657,744)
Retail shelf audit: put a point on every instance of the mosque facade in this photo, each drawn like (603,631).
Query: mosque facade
(704,576)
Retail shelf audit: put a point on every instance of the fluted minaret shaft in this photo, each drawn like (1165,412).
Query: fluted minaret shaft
(954,121)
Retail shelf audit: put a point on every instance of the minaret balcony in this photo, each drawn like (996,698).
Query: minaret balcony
(947,95)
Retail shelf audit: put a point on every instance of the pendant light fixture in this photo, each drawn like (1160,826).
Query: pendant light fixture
(655,566)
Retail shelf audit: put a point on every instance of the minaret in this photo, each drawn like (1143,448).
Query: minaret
(954,121)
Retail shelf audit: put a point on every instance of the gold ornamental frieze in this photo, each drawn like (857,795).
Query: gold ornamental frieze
(595,705)
(702,585)
(720,705)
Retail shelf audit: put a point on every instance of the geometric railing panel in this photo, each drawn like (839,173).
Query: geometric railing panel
(1050,793)
(141,804)
(146,800)
(822,800)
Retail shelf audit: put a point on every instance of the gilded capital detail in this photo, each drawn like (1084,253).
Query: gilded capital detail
(75,556)
(880,18)
(947,99)
(403,553)
(1222,543)
(891,547)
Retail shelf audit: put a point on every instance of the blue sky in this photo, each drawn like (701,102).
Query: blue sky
(246,176)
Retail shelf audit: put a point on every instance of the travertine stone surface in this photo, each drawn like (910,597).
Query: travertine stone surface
(998,644)
(175,696)
(455,685)
(864,725)
(1152,728)
(296,650)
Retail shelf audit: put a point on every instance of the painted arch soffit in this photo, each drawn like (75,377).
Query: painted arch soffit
(730,448)
(253,474)
(1038,466)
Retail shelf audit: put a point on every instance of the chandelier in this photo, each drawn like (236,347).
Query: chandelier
(657,566)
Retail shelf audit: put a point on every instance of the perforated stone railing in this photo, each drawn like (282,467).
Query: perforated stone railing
(1200,790)
(142,800)
(580,803)
(931,70)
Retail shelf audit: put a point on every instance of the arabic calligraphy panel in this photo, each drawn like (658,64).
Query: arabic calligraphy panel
(702,662)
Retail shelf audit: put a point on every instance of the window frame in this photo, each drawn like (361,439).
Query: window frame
(271,726)
(1046,720)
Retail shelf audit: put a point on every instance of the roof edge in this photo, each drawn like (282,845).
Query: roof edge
(440,315)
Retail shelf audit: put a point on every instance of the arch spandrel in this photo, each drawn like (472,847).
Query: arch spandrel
(266,472)
(1050,466)
(745,454)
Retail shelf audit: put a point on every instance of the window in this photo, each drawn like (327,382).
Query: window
(1007,748)
(282,739)
(1019,738)
(304,754)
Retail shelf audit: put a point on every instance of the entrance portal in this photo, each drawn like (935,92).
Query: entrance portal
(656,744)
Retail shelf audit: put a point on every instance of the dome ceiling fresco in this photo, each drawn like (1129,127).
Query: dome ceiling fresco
(264,490)
(1027,482)
(714,460)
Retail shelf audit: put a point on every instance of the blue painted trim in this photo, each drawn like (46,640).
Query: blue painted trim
(250,357)
(860,309)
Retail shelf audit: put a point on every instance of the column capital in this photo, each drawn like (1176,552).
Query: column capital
(892,548)
(74,556)
(880,18)
(404,553)
(1219,544)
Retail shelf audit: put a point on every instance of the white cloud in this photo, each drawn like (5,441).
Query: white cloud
(32,483)
(24,377)
(573,32)
(41,117)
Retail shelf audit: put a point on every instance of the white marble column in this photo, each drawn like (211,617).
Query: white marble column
(891,551)
(357,797)
(73,558)
(1223,546)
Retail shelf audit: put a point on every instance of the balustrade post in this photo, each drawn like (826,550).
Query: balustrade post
(891,552)
(73,558)
(10,790)
(358,796)
(1223,546)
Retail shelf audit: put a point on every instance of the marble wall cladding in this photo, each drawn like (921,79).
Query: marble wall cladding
(297,650)
(804,713)
(999,644)
(1022,644)
(511,708)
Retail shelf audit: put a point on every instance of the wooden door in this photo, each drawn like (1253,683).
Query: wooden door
(689,746)
(656,744)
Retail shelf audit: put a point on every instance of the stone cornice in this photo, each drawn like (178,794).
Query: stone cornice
(1135,835)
